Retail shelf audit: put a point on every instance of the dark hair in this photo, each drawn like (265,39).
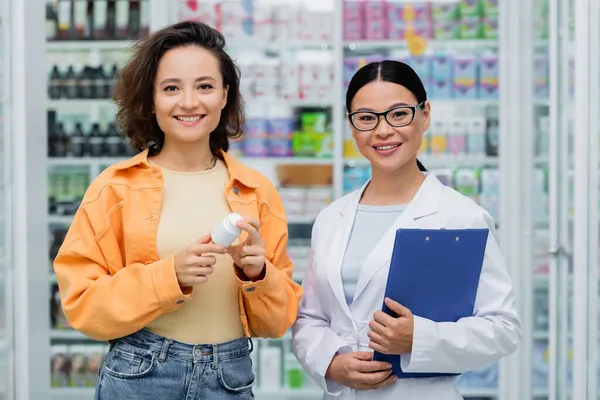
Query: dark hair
(387,71)
(134,89)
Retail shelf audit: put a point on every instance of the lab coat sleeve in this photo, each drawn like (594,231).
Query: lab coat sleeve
(494,330)
(314,342)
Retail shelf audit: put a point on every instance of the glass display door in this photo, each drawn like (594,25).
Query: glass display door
(6,369)
(553,200)
(586,108)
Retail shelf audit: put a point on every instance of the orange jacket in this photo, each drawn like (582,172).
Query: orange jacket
(111,281)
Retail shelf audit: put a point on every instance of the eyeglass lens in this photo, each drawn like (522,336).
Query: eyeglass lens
(397,117)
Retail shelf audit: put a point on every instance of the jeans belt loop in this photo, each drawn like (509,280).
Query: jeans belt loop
(164,350)
(215,351)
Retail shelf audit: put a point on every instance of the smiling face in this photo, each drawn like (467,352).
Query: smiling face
(188,94)
(386,147)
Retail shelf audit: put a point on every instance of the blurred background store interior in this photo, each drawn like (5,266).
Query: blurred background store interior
(515,96)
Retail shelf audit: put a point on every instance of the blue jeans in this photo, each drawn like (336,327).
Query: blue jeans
(147,366)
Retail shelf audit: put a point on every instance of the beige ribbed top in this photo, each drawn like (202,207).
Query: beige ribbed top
(192,204)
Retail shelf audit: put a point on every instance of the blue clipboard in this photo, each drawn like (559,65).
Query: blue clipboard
(435,274)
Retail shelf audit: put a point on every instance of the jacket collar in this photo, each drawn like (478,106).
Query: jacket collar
(237,171)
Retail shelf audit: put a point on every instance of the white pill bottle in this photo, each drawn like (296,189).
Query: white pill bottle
(227,231)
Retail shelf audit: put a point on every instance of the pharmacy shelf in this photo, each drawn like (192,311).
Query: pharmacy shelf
(71,335)
(70,103)
(60,219)
(97,103)
(68,335)
(74,393)
(436,45)
(441,102)
(278,46)
(67,219)
(478,392)
(441,161)
(234,46)
(301,220)
(260,394)
(88,45)
(270,394)
(250,161)
(541,335)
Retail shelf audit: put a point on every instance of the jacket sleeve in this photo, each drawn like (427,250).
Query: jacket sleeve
(271,304)
(314,343)
(107,306)
(494,330)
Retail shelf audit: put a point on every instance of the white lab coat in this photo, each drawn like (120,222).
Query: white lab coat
(327,325)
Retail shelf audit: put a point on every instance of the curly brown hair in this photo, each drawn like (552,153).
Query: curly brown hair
(134,89)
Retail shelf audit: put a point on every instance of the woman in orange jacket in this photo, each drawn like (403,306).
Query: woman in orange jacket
(138,267)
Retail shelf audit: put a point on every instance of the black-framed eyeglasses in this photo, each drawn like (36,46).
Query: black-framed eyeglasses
(396,117)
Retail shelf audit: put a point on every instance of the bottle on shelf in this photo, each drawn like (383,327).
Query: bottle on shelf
(101,84)
(113,143)
(96,19)
(51,22)
(112,77)
(96,141)
(60,142)
(84,83)
(70,84)
(55,86)
(78,145)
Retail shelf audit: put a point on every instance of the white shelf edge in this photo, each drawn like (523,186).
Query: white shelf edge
(72,393)
(462,102)
(249,161)
(430,44)
(478,392)
(81,393)
(60,219)
(84,393)
(301,220)
(88,45)
(442,161)
(68,219)
(540,335)
(67,103)
(82,161)
(85,161)
(281,45)
(289,393)
(69,335)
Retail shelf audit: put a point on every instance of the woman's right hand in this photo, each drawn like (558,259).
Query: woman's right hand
(193,264)
(358,371)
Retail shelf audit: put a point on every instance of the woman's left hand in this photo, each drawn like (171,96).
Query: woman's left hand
(250,255)
(391,335)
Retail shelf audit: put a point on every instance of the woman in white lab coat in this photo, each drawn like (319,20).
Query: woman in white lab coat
(340,322)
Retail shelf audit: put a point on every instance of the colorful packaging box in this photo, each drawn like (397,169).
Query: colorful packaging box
(441,82)
(488,77)
(470,8)
(466,69)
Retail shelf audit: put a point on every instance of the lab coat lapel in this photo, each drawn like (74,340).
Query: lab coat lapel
(424,203)
(339,243)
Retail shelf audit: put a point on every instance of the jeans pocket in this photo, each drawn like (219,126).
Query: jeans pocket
(235,374)
(125,361)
